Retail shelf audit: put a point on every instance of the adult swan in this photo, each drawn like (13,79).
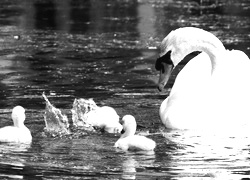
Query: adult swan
(212,91)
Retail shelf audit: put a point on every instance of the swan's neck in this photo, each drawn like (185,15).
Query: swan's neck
(185,43)
(129,131)
(19,125)
(18,122)
(214,51)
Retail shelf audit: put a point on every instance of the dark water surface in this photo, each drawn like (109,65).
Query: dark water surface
(106,50)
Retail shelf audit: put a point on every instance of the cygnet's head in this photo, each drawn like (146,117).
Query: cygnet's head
(129,125)
(118,128)
(109,114)
(115,128)
(18,115)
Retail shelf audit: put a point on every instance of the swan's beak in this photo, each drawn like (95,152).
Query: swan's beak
(122,131)
(165,73)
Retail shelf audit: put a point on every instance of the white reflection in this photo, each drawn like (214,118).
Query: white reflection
(134,160)
(208,155)
(11,160)
(146,26)
(11,176)
(13,147)
(129,168)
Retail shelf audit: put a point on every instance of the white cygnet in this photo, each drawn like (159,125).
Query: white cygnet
(130,141)
(18,133)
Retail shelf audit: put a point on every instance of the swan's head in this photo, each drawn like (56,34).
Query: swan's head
(178,44)
(18,116)
(129,125)
(174,47)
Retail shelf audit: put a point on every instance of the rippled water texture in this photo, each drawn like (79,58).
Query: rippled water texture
(106,50)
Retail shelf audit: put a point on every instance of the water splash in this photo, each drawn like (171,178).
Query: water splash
(55,121)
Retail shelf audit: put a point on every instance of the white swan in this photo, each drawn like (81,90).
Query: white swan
(105,117)
(212,90)
(18,133)
(129,140)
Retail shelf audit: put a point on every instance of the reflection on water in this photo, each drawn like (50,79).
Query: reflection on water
(106,50)
(134,165)
(209,155)
(129,171)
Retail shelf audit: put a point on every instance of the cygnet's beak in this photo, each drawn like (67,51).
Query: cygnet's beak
(119,128)
(121,121)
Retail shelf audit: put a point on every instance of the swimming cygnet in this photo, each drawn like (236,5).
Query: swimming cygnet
(18,133)
(130,141)
(106,118)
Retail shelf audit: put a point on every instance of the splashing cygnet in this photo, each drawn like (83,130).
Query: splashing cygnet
(18,133)
(105,117)
(130,141)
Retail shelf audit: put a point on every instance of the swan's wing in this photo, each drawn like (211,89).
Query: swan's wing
(230,87)
(233,74)
(239,55)
(201,99)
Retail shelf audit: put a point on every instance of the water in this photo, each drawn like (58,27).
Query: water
(106,50)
